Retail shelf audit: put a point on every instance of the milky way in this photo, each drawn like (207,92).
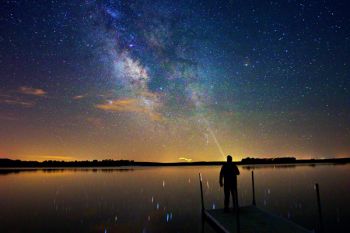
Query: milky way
(163,80)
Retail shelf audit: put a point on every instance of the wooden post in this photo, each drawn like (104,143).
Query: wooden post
(237,212)
(254,203)
(319,207)
(201,188)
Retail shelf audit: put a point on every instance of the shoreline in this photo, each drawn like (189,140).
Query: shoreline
(7,163)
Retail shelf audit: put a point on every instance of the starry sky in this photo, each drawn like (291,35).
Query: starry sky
(185,80)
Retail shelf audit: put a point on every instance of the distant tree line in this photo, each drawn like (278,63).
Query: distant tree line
(120,163)
(249,160)
(54,163)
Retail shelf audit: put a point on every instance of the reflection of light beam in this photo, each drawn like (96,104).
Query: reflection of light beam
(214,137)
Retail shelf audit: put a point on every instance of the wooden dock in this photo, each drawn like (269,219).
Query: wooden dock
(249,219)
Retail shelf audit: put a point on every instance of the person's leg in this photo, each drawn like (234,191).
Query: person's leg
(227,197)
(233,194)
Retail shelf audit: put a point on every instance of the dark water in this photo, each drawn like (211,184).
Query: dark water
(163,199)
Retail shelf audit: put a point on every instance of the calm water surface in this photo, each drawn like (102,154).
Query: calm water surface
(163,199)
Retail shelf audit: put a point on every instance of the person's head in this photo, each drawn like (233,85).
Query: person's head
(229,158)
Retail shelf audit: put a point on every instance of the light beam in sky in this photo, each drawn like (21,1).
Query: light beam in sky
(217,143)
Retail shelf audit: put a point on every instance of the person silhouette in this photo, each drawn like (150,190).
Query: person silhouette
(228,174)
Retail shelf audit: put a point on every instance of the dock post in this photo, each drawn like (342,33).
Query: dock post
(237,213)
(319,207)
(201,188)
(254,203)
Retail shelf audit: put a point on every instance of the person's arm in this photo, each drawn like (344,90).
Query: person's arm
(221,176)
(237,170)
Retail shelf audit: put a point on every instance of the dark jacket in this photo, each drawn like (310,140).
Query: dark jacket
(229,172)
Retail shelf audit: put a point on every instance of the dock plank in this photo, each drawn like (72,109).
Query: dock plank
(252,220)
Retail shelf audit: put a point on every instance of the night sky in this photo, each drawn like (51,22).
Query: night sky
(174,80)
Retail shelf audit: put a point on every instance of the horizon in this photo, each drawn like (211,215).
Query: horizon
(174,80)
(179,161)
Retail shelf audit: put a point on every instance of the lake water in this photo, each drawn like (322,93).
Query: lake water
(164,199)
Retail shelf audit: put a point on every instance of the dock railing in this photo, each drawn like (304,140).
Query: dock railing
(320,227)
(201,188)
(253,189)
